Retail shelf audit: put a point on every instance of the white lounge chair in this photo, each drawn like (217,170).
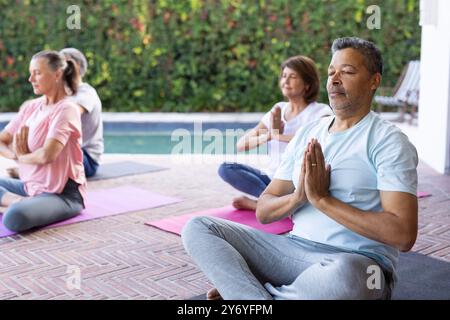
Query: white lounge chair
(406,92)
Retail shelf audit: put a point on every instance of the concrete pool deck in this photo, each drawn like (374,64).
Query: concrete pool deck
(121,258)
(171,117)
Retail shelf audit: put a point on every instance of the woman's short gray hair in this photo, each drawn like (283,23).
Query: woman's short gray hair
(78,57)
(371,54)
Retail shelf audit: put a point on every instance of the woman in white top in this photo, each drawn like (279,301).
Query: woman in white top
(91,115)
(299,83)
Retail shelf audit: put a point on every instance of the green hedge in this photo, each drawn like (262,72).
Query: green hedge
(197,55)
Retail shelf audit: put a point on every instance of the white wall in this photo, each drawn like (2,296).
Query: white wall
(433,140)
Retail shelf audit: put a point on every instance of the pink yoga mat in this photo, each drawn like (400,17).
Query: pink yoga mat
(108,202)
(423,194)
(175,224)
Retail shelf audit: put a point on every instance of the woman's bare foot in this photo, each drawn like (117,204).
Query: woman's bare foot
(10,198)
(244,203)
(213,294)
(13,172)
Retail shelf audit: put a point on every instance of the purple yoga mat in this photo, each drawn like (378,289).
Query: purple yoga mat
(175,224)
(108,202)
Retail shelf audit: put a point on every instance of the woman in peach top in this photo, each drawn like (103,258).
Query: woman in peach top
(45,140)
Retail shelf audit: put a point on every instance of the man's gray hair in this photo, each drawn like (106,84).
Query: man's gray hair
(371,54)
(78,57)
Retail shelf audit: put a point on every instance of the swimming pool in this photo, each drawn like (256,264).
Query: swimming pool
(176,137)
(174,143)
(160,136)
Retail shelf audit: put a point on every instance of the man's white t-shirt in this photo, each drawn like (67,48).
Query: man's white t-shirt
(372,156)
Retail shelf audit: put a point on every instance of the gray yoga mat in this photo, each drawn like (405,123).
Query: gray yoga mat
(420,278)
(123,168)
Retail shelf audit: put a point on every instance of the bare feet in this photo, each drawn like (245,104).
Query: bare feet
(213,294)
(244,203)
(10,198)
(13,172)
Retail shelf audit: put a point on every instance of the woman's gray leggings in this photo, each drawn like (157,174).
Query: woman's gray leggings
(40,210)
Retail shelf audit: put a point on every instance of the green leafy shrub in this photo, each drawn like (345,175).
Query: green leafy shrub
(197,55)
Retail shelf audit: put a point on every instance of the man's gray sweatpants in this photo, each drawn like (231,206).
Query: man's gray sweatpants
(245,263)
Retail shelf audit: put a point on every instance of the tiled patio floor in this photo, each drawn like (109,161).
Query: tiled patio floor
(121,258)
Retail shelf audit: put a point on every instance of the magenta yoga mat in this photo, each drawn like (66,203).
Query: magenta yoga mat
(108,202)
(423,194)
(246,217)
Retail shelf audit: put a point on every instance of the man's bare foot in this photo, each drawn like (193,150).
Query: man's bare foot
(13,172)
(213,294)
(244,203)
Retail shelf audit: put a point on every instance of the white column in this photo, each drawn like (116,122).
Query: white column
(434,103)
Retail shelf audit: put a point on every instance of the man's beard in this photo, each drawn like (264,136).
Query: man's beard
(341,106)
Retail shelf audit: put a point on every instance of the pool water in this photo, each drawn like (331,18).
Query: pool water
(167,143)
